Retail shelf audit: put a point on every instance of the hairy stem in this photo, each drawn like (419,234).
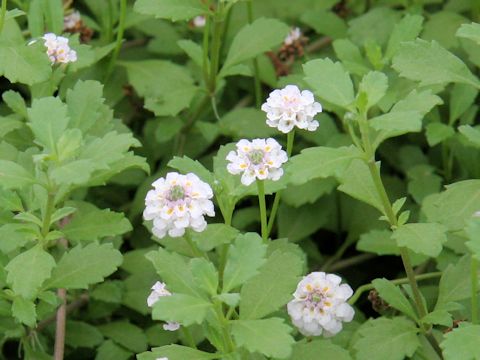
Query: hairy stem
(276,201)
(118,45)
(256,73)
(263,209)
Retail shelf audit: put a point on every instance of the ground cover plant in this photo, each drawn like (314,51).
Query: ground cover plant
(231,179)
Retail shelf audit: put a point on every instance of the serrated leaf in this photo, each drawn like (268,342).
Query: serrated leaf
(185,309)
(122,332)
(254,39)
(383,338)
(431,64)
(470,31)
(270,337)
(14,176)
(24,311)
(84,101)
(246,123)
(80,334)
(185,165)
(213,236)
(272,287)
(82,266)
(438,132)
(245,256)
(311,350)
(76,172)
(171,9)
(394,297)
(454,285)
(462,343)
(462,97)
(329,81)
(205,275)
(10,200)
(90,223)
(406,29)
(472,134)
(109,350)
(421,238)
(320,162)
(374,85)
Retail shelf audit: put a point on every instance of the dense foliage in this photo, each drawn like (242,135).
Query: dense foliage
(126,126)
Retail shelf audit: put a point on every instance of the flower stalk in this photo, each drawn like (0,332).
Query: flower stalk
(263,209)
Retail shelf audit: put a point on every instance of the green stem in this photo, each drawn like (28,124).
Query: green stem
(228,342)
(188,337)
(276,201)
(118,45)
(361,289)
(256,72)
(216,46)
(474,275)
(195,250)
(205,44)
(223,251)
(3,13)
(47,218)
(263,209)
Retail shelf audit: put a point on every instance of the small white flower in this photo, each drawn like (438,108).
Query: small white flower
(162,358)
(257,159)
(294,35)
(70,21)
(58,50)
(288,107)
(320,305)
(178,202)
(476,214)
(159,290)
(199,21)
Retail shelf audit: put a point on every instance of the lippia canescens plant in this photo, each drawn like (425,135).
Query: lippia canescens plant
(239,179)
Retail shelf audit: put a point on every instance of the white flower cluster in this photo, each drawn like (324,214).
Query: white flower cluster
(70,21)
(290,107)
(199,21)
(58,50)
(320,305)
(294,35)
(159,290)
(257,159)
(178,202)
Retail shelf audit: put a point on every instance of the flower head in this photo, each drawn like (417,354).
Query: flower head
(72,20)
(288,107)
(295,34)
(257,159)
(178,202)
(320,305)
(199,21)
(58,50)
(159,290)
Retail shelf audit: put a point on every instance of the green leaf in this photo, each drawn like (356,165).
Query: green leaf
(378,242)
(431,64)
(439,317)
(255,39)
(129,335)
(84,102)
(82,266)
(246,123)
(326,22)
(374,85)
(462,343)
(361,187)
(245,256)
(26,280)
(185,309)
(48,121)
(174,271)
(26,64)
(421,238)
(473,232)
(171,9)
(438,132)
(54,15)
(111,351)
(350,56)
(9,124)
(10,200)
(454,285)
(472,134)
(454,206)
(470,31)
(205,275)
(79,334)
(176,352)
(76,172)
(167,97)
(186,165)
(24,311)
(394,297)
(406,29)
(14,176)
(329,81)
(311,350)
(320,162)
(272,287)
(462,97)
(90,223)
(270,337)
(383,338)
(16,102)
(214,235)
